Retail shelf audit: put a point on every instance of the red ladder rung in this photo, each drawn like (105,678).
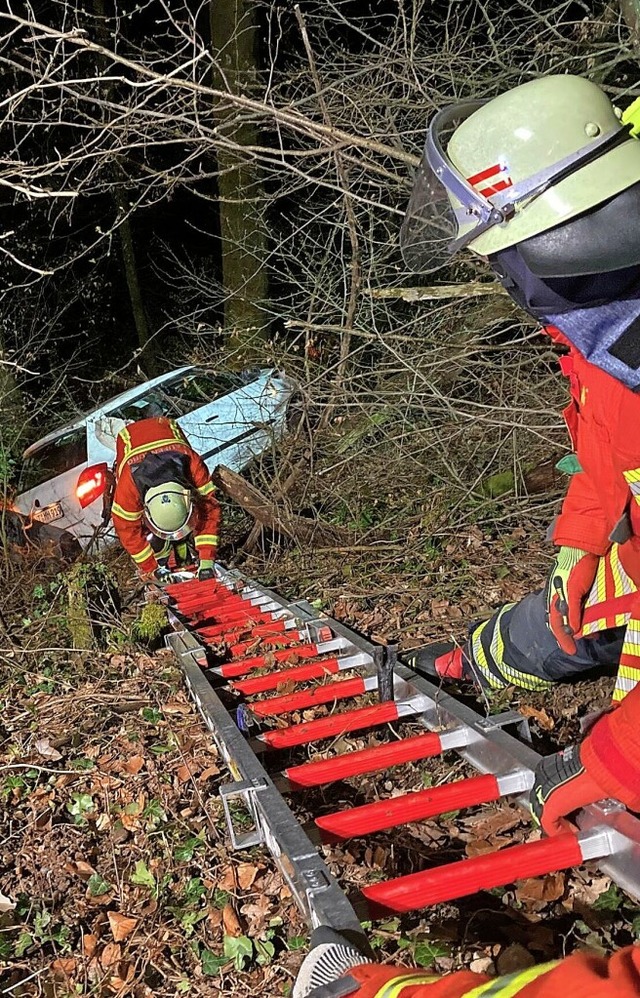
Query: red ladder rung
(402,810)
(330,727)
(326,693)
(242,647)
(296,674)
(239,624)
(368,760)
(239,668)
(468,876)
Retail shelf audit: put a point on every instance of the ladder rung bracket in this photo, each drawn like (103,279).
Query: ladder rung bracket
(406,808)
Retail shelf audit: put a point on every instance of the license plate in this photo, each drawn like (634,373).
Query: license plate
(49,513)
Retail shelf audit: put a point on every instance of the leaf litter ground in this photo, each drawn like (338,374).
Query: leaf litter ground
(115,877)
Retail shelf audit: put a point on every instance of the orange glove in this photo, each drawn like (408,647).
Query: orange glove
(569,583)
(562,786)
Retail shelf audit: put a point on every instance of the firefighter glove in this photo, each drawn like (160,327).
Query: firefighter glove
(206,570)
(562,785)
(327,965)
(570,580)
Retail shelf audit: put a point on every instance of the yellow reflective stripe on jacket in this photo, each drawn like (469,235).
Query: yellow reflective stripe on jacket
(144,448)
(206,489)
(126,514)
(395,987)
(147,552)
(202,540)
(511,984)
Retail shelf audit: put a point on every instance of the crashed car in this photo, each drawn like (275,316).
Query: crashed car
(228,417)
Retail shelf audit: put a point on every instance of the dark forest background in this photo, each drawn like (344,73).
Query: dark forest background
(224,181)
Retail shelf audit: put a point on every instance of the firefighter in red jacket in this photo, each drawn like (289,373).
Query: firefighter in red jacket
(163,498)
(544,183)
(605,764)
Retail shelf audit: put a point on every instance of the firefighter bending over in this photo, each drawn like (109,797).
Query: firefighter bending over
(164,500)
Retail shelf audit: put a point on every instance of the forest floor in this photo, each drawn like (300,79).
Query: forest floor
(115,874)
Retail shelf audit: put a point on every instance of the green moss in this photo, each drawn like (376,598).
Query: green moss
(150,624)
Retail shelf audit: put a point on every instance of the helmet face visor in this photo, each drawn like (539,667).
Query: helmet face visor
(447,211)
(430,232)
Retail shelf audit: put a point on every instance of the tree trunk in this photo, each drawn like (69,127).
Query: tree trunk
(148,359)
(240,190)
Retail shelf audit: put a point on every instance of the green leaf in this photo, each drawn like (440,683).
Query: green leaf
(154,813)
(425,952)
(193,890)
(296,942)
(151,715)
(5,948)
(97,885)
(211,963)
(219,898)
(186,851)
(635,927)
(265,951)
(22,944)
(143,876)
(184,985)
(79,805)
(189,919)
(609,900)
(160,749)
(239,949)
(82,763)
(41,921)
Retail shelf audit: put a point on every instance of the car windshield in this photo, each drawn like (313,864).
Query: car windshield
(179,396)
(62,454)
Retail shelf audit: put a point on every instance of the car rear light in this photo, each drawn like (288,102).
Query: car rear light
(91,484)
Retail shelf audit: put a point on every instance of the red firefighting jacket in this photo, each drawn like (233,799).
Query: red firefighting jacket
(582,975)
(601,511)
(602,419)
(133,443)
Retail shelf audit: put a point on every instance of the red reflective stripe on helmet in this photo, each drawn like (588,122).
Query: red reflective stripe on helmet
(501,185)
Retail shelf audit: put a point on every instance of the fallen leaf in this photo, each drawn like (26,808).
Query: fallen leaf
(246,874)
(501,820)
(207,773)
(46,750)
(228,880)
(121,925)
(111,954)
(546,723)
(481,965)
(479,847)
(63,966)
(515,957)
(184,773)
(89,944)
(6,904)
(230,921)
(84,870)
(126,972)
(541,889)
(134,764)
